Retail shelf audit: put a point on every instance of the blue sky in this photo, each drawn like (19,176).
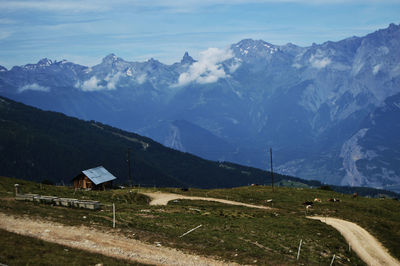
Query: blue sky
(136,30)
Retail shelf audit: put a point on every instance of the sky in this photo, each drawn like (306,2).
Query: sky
(86,31)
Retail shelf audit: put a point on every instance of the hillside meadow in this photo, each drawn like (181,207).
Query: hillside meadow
(229,233)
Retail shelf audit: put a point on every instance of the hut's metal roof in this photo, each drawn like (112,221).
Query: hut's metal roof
(99,175)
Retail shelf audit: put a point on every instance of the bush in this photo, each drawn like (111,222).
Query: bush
(47,182)
(325,187)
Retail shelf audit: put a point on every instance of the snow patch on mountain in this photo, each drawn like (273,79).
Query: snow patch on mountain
(129,72)
(33,87)
(376,68)
(208,69)
(88,70)
(41,64)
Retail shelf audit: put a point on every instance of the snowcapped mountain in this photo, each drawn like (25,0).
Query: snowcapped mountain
(329,111)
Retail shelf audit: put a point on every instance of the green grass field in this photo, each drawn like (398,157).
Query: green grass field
(232,233)
(22,250)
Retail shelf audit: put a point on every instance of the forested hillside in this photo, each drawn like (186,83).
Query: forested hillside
(41,145)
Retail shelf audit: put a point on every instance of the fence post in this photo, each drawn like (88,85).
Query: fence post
(333,258)
(113,215)
(16,189)
(298,252)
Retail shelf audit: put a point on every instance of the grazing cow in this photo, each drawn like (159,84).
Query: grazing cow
(309,207)
(334,200)
(308,203)
(355,195)
(317,200)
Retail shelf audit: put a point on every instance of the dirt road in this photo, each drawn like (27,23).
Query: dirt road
(363,243)
(107,243)
(159,198)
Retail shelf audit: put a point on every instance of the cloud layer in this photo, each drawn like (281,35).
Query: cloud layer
(208,69)
(319,62)
(95,84)
(33,87)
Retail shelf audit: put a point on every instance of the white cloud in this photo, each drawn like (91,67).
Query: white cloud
(178,6)
(47,5)
(7,21)
(235,65)
(185,6)
(90,85)
(318,62)
(296,65)
(4,35)
(33,87)
(141,79)
(112,80)
(94,84)
(208,69)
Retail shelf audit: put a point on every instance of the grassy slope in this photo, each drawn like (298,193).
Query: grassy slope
(232,233)
(32,251)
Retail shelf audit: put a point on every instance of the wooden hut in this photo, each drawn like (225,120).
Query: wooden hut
(95,178)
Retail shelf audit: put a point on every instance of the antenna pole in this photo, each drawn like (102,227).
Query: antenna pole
(272,171)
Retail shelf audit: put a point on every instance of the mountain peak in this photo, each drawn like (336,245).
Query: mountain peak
(254,48)
(154,62)
(111,58)
(187,59)
(248,43)
(393,26)
(44,62)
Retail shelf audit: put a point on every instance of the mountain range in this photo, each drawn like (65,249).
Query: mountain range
(44,145)
(329,111)
(52,148)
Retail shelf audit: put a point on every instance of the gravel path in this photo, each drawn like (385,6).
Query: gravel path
(160,198)
(368,248)
(107,243)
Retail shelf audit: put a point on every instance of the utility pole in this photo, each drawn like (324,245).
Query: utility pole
(113,215)
(129,167)
(272,171)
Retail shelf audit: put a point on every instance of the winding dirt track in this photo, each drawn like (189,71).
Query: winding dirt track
(368,248)
(106,243)
(159,198)
(111,244)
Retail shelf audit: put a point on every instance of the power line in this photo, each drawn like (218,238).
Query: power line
(272,172)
